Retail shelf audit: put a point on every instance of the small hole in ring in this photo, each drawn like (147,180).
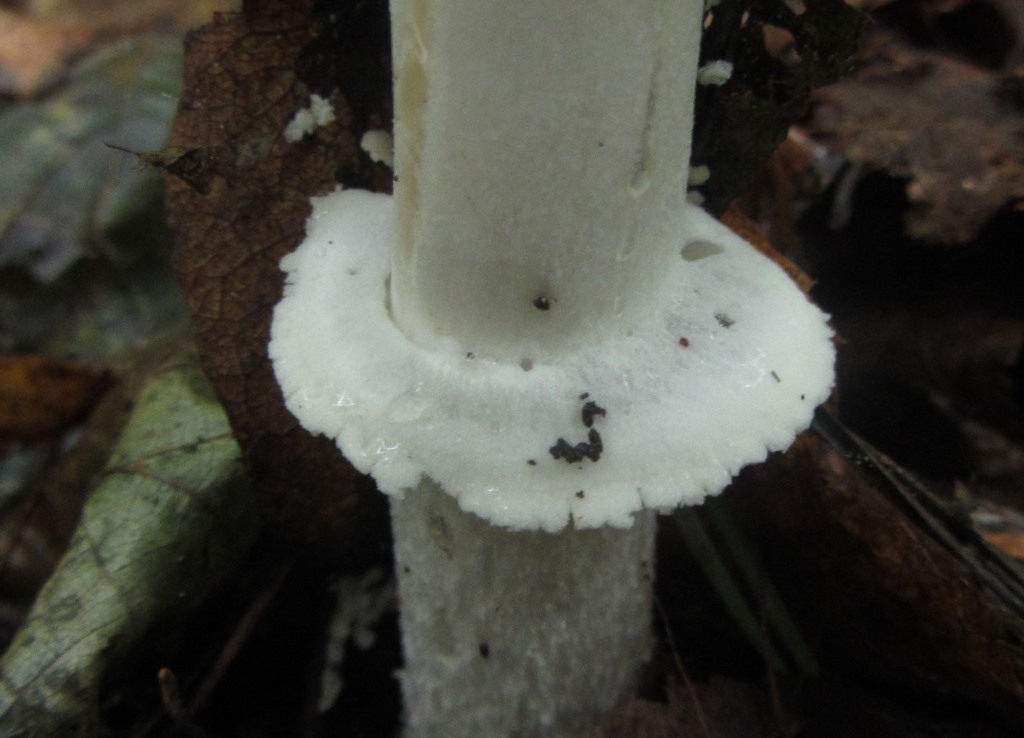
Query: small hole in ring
(697,250)
(526,364)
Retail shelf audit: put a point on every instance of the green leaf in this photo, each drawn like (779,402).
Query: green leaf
(171,520)
(65,194)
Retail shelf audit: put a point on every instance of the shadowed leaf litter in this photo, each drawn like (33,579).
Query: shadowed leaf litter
(82,237)
(963,165)
(170,520)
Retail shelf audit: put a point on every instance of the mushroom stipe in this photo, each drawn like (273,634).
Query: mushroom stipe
(415,365)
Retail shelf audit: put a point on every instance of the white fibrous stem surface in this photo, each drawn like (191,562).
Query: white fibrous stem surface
(541,153)
(516,633)
(537,342)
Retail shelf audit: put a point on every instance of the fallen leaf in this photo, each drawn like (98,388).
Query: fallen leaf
(239,203)
(962,167)
(41,395)
(795,174)
(892,600)
(171,519)
(65,194)
(47,481)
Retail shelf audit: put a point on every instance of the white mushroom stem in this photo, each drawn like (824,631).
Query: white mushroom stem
(564,345)
(542,152)
(516,633)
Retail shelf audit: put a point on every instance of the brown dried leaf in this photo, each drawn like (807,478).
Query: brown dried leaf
(794,174)
(238,196)
(40,395)
(886,602)
(951,129)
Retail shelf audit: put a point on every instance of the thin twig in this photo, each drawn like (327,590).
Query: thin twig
(241,634)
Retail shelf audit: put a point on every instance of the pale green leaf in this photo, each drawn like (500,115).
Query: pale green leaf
(171,519)
(84,245)
(65,194)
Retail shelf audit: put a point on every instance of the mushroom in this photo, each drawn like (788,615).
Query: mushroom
(535,345)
